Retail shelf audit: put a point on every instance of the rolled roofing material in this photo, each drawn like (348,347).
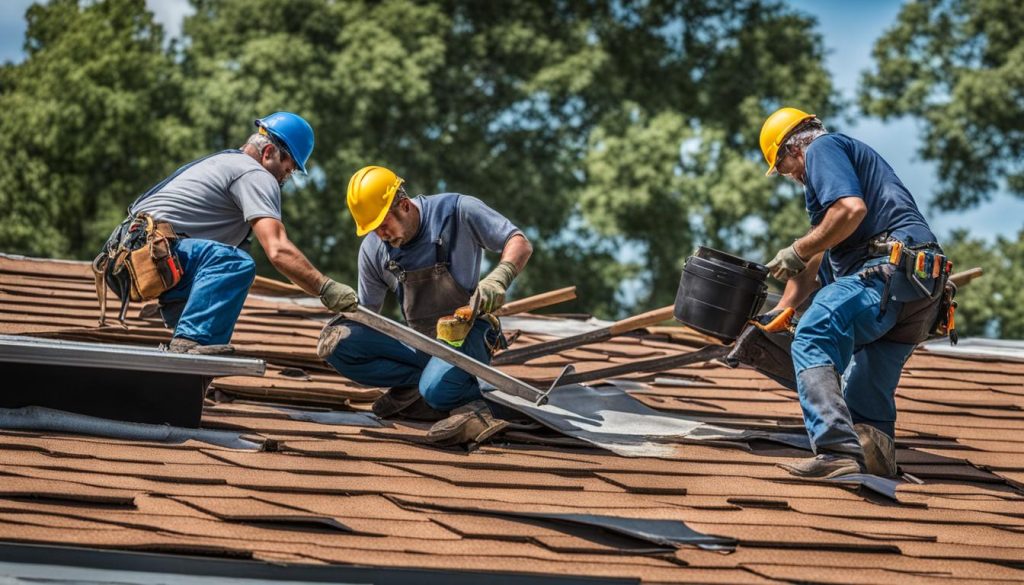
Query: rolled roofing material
(36,418)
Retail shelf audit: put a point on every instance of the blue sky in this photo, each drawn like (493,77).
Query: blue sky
(849,29)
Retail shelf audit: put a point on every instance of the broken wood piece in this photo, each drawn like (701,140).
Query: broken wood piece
(538,301)
(965,277)
(520,355)
(658,364)
(270,286)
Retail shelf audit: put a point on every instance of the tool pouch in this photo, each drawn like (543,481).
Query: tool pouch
(153,267)
(916,321)
(945,322)
(920,280)
(137,263)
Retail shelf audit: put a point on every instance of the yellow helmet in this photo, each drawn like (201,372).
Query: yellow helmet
(775,130)
(371,190)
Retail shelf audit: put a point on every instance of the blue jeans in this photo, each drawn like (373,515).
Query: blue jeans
(374,359)
(842,329)
(205,305)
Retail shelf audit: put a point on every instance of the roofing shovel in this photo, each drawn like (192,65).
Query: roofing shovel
(439,349)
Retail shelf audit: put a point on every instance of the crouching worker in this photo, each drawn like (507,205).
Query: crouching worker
(427,250)
(883,290)
(190,233)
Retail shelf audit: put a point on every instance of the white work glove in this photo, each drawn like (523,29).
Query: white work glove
(337,297)
(786,264)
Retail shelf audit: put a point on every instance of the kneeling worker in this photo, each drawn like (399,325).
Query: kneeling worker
(428,251)
(213,205)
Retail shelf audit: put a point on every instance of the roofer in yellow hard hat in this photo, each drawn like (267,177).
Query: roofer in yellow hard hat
(881,276)
(428,251)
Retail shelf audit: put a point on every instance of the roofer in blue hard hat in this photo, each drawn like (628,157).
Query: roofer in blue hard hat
(879,280)
(213,206)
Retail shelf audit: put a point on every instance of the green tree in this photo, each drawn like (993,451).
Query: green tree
(958,66)
(534,107)
(90,120)
(992,305)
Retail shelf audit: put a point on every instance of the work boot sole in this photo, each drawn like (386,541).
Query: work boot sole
(220,349)
(330,337)
(458,428)
(495,428)
(394,400)
(799,471)
(464,428)
(879,451)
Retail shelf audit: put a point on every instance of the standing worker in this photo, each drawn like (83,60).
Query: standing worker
(213,205)
(877,301)
(428,251)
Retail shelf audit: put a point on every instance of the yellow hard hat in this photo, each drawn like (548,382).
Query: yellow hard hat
(775,130)
(371,190)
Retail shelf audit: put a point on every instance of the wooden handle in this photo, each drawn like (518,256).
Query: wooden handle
(276,286)
(642,320)
(538,301)
(962,278)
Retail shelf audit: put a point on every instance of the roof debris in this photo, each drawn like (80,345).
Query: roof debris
(334,487)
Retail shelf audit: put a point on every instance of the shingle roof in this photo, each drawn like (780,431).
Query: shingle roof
(377,496)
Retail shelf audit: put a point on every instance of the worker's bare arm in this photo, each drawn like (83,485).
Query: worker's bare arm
(286,256)
(841,219)
(517,251)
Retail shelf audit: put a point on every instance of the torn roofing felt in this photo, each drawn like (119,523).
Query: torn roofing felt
(960,432)
(610,418)
(671,533)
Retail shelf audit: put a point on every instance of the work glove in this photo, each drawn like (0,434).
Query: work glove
(337,297)
(492,288)
(775,320)
(786,264)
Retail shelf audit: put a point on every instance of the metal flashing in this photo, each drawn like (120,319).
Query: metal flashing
(49,352)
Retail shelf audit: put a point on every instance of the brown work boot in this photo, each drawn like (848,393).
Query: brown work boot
(184,345)
(330,337)
(406,402)
(824,466)
(472,423)
(181,345)
(879,450)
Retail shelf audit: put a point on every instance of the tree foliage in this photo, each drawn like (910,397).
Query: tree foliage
(595,126)
(89,120)
(992,305)
(958,66)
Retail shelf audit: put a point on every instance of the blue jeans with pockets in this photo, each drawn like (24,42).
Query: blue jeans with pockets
(374,359)
(843,329)
(205,305)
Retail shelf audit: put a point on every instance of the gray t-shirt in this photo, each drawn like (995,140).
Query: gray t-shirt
(216,198)
(479,227)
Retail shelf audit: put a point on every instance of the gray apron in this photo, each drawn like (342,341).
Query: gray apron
(430,293)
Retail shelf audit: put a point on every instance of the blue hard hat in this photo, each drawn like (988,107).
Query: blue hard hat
(292,132)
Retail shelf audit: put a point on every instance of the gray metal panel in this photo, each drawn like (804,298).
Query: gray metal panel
(48,352)
(442,350)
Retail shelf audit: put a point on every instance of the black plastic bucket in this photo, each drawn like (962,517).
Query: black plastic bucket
(718,293)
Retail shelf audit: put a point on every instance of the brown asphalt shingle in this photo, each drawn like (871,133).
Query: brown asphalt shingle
(341,494)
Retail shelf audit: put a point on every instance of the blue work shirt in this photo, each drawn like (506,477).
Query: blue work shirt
(478,227)
(838,166)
